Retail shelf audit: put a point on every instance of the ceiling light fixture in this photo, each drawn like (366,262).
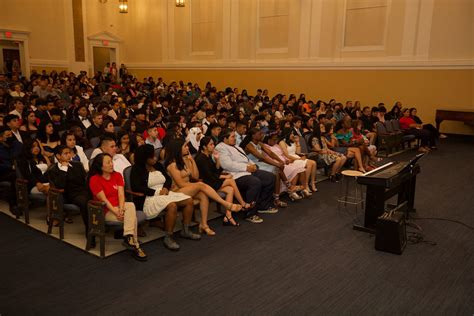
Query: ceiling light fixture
(123,6)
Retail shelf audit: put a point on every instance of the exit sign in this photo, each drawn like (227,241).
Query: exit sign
(8,34)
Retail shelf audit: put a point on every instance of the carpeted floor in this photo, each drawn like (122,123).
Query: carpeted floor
(304,260)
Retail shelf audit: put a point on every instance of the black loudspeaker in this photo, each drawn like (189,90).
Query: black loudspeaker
(391,234)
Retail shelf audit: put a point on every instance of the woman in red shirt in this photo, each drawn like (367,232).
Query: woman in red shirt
(409,126)
(106,186)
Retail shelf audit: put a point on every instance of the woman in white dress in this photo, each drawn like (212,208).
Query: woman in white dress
(149,179)
(290,145)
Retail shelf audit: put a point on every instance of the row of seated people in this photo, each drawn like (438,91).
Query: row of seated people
(282,140)
(275,154)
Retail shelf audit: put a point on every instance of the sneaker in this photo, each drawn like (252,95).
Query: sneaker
(254,219)
(170,243)
(271,210)
(188,234)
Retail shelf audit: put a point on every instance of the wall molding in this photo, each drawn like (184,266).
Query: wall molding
(320,64)
(49,63)
(366,48)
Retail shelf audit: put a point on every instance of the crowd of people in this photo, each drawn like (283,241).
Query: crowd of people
(185,145)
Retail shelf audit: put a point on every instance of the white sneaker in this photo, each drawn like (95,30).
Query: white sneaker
(254,219)
(271,210)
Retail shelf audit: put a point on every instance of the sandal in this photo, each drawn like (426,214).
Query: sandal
(235,207)
(139,254)
(280,203)
(313,187)
(249,206)
(68,220)
(229,222)
(207,230)
(294,196)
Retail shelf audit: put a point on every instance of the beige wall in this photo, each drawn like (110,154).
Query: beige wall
(244,32)
(45,20)
(453,29)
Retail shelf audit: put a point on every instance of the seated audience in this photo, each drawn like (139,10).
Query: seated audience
(149,177)
(69,139)
(348,151)
(12,121)
(295,173)
(409,126)
(48,137)
(185,174)
(108,146)
(10,149)
(212,174)
(429,127)
(107,186)
(330,157)
(257,185)
(32,166)
(95,129)
(152,138)
(193,139)
(70,176)
(29,127)
(290,145)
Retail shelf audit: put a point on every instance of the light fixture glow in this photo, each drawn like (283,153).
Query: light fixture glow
(123,6)
(180,3)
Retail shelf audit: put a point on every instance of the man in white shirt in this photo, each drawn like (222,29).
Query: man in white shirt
(19,107)
(108,146)
(255,185)
(152,138)
(240,131)
(13,123)
(210,118)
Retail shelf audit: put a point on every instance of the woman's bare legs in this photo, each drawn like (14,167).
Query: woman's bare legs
(188,209)
(237,195)
(358,157)
(229,191)
(337,165)
(170,217)
(311,170)
(193,188)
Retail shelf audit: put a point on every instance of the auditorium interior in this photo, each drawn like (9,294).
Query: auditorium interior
(242,157)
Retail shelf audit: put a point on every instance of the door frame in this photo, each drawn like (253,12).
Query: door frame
(22,37)
(105,40)
(112,54)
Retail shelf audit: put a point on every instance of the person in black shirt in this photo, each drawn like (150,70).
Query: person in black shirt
(428,127)
(368,122)
(95,130)
(10,149)
(141,123)
(212,174)
(71,177)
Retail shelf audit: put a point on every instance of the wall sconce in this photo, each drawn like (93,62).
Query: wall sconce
(123,6)
(180,3)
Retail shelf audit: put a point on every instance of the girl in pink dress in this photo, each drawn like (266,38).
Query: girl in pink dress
(295,173)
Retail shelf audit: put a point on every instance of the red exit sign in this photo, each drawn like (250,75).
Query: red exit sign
(8,34)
